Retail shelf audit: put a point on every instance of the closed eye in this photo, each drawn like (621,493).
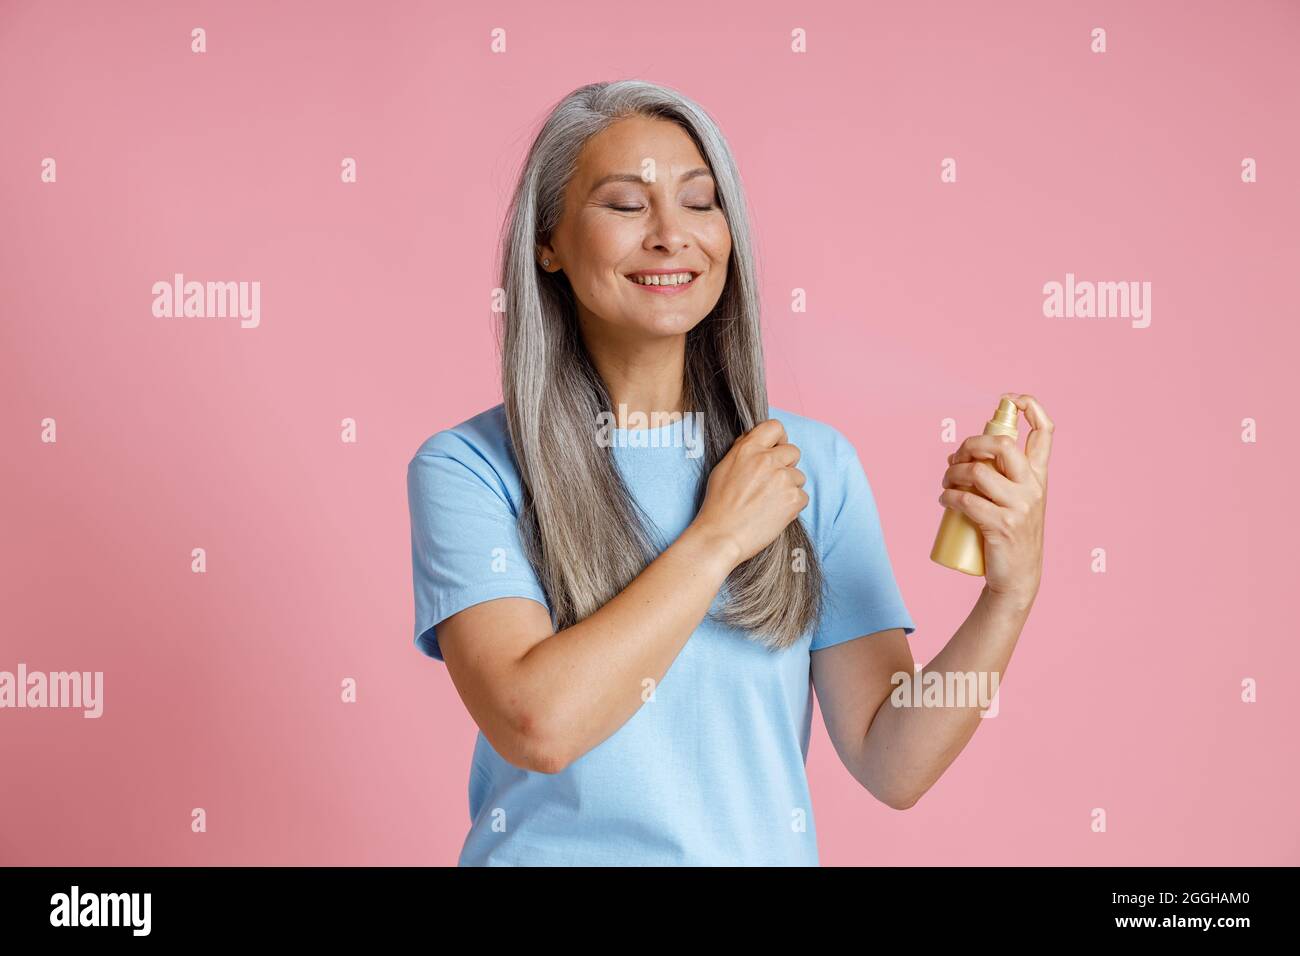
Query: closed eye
(638,208)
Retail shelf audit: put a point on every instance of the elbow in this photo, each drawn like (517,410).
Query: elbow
(538,757)
(897,800)
(535,748)
(903,804)
(891,796)
(905,801)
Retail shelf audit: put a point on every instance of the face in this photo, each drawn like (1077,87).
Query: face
(617,226)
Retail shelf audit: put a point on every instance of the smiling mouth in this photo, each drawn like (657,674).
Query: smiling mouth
(674,280)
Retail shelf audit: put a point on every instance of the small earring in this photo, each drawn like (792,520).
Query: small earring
(546,262)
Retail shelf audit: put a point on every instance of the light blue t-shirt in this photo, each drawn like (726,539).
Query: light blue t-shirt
(711,770)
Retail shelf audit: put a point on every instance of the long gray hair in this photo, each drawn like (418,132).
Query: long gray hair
(584,534)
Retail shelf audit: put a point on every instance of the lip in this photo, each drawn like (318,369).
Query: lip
(663,289)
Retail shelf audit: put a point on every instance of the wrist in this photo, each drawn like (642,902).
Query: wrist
(719,551)
(1012,602)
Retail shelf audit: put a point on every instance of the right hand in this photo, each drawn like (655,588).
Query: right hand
(754,491)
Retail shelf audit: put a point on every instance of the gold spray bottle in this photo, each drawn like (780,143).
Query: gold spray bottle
(959,544)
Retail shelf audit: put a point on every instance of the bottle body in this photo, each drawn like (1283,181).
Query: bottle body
(959,544)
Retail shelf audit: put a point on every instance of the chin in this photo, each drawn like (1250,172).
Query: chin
(672,324)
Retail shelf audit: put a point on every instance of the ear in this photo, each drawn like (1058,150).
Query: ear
(546,251)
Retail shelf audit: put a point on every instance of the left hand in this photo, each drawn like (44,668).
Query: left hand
(1006,502)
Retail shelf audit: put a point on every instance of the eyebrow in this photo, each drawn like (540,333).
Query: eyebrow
(635,178)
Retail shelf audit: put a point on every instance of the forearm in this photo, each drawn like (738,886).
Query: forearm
(907,748)
(584,682)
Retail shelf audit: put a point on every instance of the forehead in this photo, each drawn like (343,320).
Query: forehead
(627,143)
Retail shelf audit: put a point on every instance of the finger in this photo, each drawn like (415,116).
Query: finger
(767,433)
(1011,460)
(983,478)
(980,510)
(785,454)
(799,477)
(1038,447)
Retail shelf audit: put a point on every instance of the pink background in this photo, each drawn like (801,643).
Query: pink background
(925,302)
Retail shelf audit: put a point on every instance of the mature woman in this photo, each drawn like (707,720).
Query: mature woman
(636,571)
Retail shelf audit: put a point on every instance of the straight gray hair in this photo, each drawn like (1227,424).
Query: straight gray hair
(583,532)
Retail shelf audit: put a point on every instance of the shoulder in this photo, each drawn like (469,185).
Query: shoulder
(830,462)
(486,432)
(815,439)
(478,447)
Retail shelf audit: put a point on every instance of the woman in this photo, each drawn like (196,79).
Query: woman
(635,617)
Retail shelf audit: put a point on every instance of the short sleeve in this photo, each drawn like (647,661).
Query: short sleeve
(861,593)
(465,543)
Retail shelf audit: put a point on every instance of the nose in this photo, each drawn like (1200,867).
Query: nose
(664,228)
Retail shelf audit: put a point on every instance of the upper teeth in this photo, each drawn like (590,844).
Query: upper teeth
(677,278)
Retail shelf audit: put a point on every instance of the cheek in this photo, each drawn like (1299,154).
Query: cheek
(607,242)
(717,244)
(597,267)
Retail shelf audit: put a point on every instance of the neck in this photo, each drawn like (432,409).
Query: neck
(644,375)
